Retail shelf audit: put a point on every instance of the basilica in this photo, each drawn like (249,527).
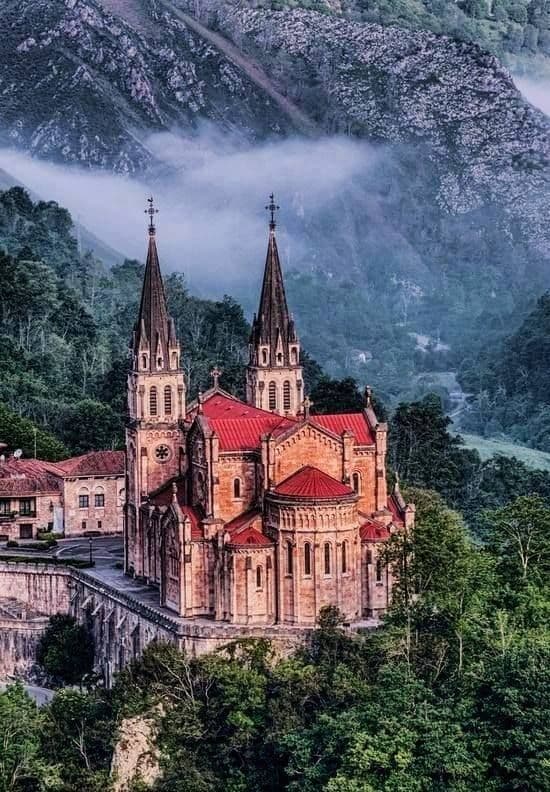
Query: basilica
(254,512)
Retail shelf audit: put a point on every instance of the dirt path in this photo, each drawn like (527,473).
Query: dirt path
(253,71)
(132,11)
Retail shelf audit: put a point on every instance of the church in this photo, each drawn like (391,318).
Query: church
(254,512)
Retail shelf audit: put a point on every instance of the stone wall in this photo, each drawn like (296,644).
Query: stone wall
(121,625)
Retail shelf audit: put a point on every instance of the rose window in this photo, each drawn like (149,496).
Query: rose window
(162,453)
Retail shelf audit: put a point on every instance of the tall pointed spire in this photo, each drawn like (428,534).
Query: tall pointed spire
(273,325)
(274,373)
(154,331)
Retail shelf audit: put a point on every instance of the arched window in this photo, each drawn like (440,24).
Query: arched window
(168,400)
(159,362)
(356,479)
(153,401)
(286,396)
(237,488)
(327,558)
(294,356)
(264,357)
(144,361)
(174,360)
(344,556)
(259,582)
(99,497)
(280,358)
(379,571)
(307,559)
(272,396)
(289,558)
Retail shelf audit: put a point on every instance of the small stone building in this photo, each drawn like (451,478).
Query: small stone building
(94,493)
(74,497)
(256,512)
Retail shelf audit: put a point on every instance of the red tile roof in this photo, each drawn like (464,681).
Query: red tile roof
(373,531)
(96,463)
(164,497)
(245,434)
(310,482)
(240,426)
(244,529)
(218,405)
(356,423)
(29,476)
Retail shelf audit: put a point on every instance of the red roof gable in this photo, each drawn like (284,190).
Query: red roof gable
(96,463)
(243,531)
(356,423)
(218,405)
(28,476)
(245,434)
(372,531)
(310,482)
(240,426)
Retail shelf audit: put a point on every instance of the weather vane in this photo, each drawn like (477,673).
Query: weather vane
(151,211)
(272,208)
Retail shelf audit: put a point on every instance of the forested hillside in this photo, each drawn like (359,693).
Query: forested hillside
(66,323)
(509,383)
(513,29)
(450,694)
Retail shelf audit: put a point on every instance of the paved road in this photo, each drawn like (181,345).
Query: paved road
(106,550)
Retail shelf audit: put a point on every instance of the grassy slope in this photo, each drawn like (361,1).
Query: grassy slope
(487,448)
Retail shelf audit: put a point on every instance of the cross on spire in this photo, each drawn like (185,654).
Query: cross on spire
(215,374)
(272,208)
(151,211)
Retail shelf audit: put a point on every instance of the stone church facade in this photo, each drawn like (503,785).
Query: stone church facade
(252,512)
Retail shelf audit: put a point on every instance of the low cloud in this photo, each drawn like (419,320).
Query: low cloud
(536,91)
(211,195)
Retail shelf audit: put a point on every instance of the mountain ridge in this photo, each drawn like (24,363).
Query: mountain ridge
(449,232)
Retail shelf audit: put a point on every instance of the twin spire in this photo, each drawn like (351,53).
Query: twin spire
(154,335)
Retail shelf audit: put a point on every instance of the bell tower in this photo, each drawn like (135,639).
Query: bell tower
(156,402)
(274,374)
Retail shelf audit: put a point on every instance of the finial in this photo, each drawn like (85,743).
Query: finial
(151,211)
(216,374)
(307,404)
(368,397)
(174,492)
(272,208)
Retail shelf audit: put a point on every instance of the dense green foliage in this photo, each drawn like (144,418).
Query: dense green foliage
(509,383)
(66,651)
(424,453)
(451,693)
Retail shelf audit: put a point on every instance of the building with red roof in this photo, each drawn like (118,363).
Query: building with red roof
(79,496)
(255,511)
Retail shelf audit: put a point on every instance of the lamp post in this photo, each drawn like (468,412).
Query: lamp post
(91,548)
